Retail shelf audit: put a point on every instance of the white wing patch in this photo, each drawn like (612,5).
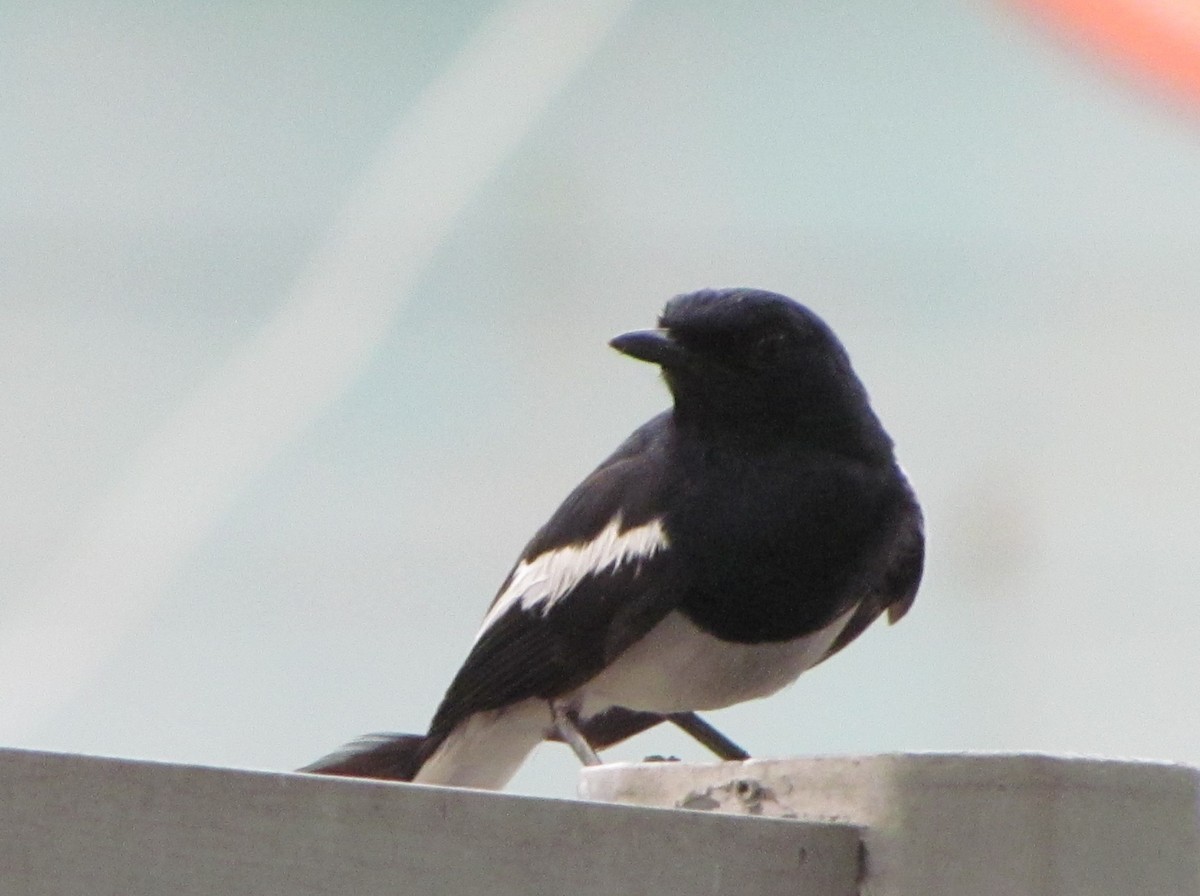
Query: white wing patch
(549,577)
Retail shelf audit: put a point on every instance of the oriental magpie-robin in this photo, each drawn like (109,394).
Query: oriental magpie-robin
(732,542)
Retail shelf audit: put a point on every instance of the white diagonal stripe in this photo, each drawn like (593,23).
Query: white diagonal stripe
(549,577)
(465,125)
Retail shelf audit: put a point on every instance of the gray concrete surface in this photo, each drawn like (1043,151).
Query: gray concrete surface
(83,826)
(961,825)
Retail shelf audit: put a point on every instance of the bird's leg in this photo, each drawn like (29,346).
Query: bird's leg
(707,735)
(566,723)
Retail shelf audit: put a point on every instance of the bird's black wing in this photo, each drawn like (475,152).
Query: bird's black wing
(594,579)
(903,563)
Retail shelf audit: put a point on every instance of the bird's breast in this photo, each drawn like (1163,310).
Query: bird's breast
(678,667)
(784,549)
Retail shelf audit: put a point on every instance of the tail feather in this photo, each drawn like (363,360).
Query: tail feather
(485,749)
(389,756)
(386,756)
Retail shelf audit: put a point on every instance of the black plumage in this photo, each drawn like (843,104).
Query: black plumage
(750,532)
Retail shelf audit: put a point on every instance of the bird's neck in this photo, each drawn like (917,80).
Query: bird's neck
(853,432)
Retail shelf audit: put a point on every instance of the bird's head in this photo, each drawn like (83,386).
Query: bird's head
(746,360)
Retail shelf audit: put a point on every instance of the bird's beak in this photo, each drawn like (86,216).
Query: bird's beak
(655,346)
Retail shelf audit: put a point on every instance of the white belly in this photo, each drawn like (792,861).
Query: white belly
(678,667)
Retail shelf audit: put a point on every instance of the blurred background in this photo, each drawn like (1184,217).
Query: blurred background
(303,311)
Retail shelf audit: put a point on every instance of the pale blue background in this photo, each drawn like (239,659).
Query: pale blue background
(1002,229)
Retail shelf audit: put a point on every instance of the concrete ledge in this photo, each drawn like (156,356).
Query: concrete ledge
(87,826)
(968,825)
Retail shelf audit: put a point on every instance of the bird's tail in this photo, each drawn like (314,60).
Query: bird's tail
(388,757)
(399,757)
(484,751)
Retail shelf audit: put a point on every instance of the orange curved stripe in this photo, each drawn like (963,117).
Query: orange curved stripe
(1159,38)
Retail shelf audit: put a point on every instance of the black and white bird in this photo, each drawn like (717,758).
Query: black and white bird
(731,543)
